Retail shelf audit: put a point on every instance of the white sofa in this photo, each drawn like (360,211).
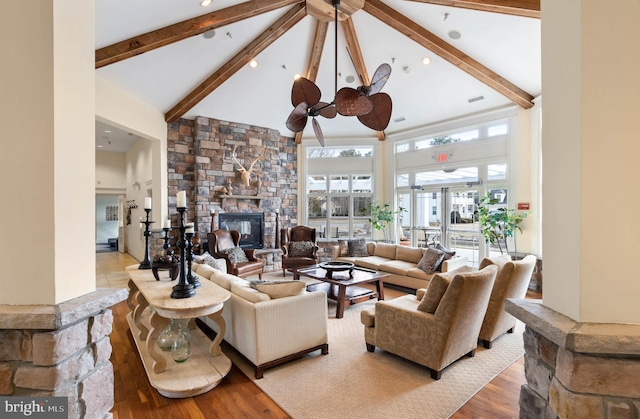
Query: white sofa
(400,262)
(269,331)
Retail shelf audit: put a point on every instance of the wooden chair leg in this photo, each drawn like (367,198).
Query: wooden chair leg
(472,353)
(370,347)
(436,375)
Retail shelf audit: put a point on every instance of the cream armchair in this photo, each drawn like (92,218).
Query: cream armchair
(512,281)
(435,327)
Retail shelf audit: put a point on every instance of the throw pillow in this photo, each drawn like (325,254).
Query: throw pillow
(207,259)
(448,254)
(357,248)
(431,260)
(437,287)
(235,255)
(278,289)
(301,249)
(344,247)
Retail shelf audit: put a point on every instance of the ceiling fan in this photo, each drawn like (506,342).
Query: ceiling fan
(372,107)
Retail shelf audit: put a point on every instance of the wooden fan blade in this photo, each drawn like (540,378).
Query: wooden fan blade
(318,131)
(298,117)
(379,117)
(350,102)
(304,90)
(326,110)
(380,78)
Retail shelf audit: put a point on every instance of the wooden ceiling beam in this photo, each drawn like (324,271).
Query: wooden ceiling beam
(441,48)
(185,29)
(228,69)
(524,8)
(358,60)
(319,39)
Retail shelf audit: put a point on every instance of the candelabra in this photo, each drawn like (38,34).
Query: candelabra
(183,289)
(166,246)
(146,263)
(193,280)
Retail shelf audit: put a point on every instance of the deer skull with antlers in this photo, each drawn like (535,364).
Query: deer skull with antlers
(245,174)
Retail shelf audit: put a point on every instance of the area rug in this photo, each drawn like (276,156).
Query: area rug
(350,382)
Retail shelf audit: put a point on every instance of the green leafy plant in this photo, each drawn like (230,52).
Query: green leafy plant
(382,216)
(498,225)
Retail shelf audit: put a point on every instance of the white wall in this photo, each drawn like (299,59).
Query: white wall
(139,176)
(48,90)
(111,172)
(590,109)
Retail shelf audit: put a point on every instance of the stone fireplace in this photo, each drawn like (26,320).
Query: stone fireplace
(200,161)
(249,225)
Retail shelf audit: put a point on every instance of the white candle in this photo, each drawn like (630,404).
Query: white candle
(277,210)
(147,203)
(190,228)
(182,199)
(167,223)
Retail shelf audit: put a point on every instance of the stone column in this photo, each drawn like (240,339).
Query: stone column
(583,338)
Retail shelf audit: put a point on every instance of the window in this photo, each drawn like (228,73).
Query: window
(468,174)
(339,208)
(331,152)
(434,210)
(497,171)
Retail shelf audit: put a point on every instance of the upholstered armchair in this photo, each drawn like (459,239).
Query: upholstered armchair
(512,281)
(436,326)
(298,247)
(240,262)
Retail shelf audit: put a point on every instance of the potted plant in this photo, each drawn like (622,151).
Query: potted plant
(498,225)
(382,216)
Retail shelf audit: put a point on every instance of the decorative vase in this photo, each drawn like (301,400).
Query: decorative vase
(169,335)
(181,349)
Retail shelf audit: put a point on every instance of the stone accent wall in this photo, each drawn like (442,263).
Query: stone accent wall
(536,277)
(577,370)
(61,351)
(200,162)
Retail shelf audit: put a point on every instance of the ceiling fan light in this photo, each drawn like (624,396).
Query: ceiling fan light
(253,64)
(205,3)
(426,61)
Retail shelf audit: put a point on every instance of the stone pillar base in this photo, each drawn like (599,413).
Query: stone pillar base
(61,350)
(577,370)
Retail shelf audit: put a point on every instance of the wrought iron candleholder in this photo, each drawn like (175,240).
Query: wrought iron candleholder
(183,289)
(146,263)
(166,246)
(190,276)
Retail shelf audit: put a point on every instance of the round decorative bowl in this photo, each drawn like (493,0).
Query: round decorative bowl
(335,266)
(173,268)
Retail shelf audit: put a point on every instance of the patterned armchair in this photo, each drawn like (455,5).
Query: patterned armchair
(512,281)
(435,327)
(298,247)
(240,262)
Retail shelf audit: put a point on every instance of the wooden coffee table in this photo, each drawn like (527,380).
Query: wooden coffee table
(343,287)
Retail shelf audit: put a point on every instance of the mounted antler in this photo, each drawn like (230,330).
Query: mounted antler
(245,174)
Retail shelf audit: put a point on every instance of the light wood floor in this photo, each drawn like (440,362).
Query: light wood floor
(237,396)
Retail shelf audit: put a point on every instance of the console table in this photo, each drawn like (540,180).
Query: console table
(152,307)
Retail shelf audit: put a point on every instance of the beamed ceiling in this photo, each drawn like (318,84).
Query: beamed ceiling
(159,51)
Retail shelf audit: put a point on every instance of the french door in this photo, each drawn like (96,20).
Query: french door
(447,215)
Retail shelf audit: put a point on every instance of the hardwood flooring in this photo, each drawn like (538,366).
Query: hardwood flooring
(237,396)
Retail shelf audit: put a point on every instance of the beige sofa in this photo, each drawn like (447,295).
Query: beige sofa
(400,262)
(269,331)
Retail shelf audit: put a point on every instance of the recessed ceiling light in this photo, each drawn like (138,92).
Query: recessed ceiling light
(350,79)
(100,146)
(107,130)
(454,34)
(209,34)
(205,3)
(297,76)
(253,64)
(426,61)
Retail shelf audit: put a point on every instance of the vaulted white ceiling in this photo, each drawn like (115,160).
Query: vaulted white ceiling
(505,44)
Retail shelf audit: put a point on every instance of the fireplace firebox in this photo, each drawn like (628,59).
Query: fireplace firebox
(249,225)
